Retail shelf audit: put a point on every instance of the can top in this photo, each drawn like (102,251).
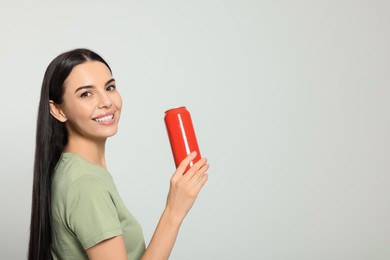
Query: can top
(181,107)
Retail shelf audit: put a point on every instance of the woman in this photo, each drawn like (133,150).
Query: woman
(77,212)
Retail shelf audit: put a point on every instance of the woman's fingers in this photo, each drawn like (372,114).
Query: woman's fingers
(195,174)
(194,169)
(197,170)
(183,165)
(185,188)
(202,180)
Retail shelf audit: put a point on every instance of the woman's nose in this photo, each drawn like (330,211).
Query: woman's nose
(105,101)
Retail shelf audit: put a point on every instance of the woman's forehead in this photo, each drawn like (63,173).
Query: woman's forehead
(88,73)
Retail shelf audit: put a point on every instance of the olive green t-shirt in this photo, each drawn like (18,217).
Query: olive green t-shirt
(87,209)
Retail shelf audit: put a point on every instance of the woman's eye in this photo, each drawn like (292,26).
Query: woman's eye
(85,94)
(110,88)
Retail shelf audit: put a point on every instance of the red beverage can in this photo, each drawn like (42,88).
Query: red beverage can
(181,135)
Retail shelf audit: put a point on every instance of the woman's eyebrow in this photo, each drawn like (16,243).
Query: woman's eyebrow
(108,82)
(84,87)
(90,86)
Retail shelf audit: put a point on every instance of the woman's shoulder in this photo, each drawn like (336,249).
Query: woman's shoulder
(72,169)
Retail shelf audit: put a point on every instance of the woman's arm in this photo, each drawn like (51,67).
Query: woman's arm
(182,194)
(112,248)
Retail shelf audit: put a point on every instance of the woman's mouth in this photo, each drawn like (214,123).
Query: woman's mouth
(104,119)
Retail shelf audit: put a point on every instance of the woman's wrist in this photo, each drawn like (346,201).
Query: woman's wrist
(171,217)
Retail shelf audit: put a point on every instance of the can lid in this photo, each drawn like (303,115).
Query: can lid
(174,108)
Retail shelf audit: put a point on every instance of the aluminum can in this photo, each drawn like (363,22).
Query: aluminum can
(181,135)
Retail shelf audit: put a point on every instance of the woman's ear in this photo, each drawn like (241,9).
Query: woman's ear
(56,111)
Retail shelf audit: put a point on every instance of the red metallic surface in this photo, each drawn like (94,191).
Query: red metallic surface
(181,135)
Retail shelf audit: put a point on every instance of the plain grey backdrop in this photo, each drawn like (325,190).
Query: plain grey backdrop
(290,102)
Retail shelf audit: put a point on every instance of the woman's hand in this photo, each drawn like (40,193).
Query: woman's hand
(184,188)
(182,194)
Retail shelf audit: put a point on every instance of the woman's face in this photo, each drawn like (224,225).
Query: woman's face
(91,102)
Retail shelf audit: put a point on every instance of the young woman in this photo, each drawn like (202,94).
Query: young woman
(77,212)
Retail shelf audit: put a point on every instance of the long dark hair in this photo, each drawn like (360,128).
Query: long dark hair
(51,138)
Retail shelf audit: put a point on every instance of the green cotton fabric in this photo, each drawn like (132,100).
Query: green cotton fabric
(87,209)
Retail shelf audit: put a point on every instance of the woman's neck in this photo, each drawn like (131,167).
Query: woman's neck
(91,150)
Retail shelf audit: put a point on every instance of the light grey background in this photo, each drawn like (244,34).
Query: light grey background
(290,101)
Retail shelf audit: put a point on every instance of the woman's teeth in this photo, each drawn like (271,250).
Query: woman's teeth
(105,118)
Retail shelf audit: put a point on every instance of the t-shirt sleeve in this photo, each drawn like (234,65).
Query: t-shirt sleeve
(90,211)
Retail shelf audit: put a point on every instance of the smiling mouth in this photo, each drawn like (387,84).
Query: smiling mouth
(104,119)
